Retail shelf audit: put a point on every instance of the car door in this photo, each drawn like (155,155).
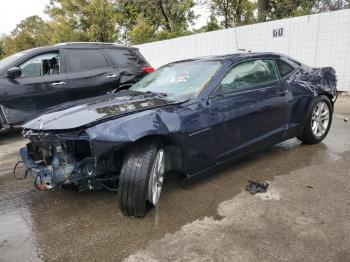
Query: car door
(129,64)
(42,84)
(249,108)
(90,73)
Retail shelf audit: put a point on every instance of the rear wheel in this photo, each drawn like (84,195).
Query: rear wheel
(141,178)
(318,121)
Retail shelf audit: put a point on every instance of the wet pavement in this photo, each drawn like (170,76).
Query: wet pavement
(304,216)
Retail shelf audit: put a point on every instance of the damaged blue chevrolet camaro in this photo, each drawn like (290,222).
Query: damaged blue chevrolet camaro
(187,117)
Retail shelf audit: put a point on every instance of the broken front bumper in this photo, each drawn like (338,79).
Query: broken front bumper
(43,175)
(46,178)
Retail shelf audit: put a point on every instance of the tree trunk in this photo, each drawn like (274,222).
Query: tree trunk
(262,10)
(166,18)
(225,8)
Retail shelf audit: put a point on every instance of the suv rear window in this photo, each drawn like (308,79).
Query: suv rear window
(124,57)
(284,68)
(86,59)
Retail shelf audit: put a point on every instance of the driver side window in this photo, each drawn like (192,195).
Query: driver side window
(248,74)
(40,65)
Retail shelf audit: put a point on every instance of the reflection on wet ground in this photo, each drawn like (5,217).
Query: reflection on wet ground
(16,240)
(69,226)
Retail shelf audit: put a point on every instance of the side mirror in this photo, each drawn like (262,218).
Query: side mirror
(14,72)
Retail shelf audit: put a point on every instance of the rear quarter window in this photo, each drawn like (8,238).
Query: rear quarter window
(124,57)
(86,59)
(284,68)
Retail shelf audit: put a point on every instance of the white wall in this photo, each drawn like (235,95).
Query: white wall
(317,40)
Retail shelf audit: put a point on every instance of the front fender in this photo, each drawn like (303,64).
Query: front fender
(114,134)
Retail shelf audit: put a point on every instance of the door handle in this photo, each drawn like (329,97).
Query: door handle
(112,76)
(58,84)
(282,92)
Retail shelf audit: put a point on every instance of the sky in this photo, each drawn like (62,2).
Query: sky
(203,18)
(13,11)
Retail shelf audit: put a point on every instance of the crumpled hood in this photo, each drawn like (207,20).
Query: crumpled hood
(89,111)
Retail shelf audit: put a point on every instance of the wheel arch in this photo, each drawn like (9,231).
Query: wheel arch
(173,149)
(329,96)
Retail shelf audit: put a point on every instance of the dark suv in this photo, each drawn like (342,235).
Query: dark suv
(36,79)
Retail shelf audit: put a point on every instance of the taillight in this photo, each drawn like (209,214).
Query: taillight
(148,69)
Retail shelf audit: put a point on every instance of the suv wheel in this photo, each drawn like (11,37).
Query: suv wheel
(318,121)
(141,178)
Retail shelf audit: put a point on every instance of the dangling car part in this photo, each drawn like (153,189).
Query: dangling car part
(186,117)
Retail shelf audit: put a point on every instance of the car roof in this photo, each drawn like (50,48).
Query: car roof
(92,45)
(236,56)
(78,45)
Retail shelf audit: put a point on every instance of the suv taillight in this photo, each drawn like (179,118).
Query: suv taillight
(148,69)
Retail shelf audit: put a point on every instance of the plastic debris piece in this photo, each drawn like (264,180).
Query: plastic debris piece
(256,187)
(346,119)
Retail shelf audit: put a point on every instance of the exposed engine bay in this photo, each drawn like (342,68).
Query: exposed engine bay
(55,161)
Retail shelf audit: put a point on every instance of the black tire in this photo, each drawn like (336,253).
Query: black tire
(307,136)
(134,178)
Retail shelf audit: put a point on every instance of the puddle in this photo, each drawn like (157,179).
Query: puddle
(16,239)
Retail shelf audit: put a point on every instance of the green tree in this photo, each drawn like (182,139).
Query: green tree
(142,32)
(234,12)
(279,9)
(262,10)
(85,20)
(212,25)
(176,15)
(29,33)
(63,32)
(128,14)
(2,51)
(330,5)
(100,21)
(169,18)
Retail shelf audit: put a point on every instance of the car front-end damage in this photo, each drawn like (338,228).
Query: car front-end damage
(81,147)
(65,159)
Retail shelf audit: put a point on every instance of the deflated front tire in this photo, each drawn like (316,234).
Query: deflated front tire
(141,178)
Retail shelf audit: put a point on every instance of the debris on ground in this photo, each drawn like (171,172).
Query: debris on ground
(257,187)
(346,119)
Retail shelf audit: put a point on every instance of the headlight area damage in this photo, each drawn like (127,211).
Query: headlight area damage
(65,161)
(65,151)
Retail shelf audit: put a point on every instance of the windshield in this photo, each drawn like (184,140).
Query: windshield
(179,80)
(8,60)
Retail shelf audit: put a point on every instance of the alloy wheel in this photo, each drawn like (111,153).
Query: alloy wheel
(320,119)
(156,177)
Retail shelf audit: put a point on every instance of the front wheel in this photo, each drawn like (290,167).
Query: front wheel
(141,178)
(318,121)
